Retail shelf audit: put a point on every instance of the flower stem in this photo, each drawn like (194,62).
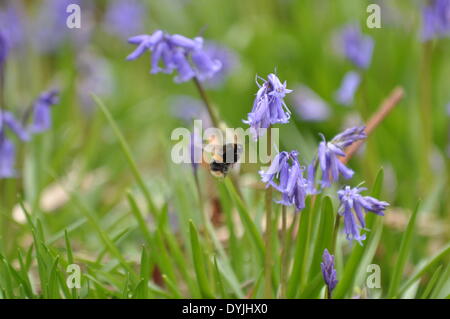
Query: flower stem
(269,229)
(335,234)
(285,251)
(209,107)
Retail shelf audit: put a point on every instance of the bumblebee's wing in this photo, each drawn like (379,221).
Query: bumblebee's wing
(231,153)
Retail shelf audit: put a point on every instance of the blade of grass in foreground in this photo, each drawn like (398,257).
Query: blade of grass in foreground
(199,263)
(247,221)
(127,152)
(405,248)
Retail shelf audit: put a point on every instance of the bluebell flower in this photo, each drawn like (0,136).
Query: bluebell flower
(353,203)
(309,105)
(125,17)
(269,106)
(346,93)
(436,20)
(328,271)
(357,47)
(7,148)
(291,184)
(8,121)
(227,57)
(42,116)
(11,25)
(329,152)
(7,157)
(3,51)
(176,52)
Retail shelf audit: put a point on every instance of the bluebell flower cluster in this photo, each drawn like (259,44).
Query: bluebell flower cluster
(328,271)
(329,152)
(285,174)
(176,52)
(436,20)
(346,92)
(353,203)
(269,106)
(41,121)
(7,148)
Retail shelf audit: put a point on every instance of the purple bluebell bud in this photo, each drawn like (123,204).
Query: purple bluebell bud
(346,93)
(328,271)
(125,17)
(42,111)
(269,106)
(353,203)
(436,20)
(328,155)
(357,47)
(7,157)
(176,52)
(309,105)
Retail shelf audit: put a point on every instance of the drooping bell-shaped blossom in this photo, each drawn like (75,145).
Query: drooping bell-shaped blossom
(329,152)
(352,208)
(287,171)
(328,271)
(176,52)
(42,116)
(7,157)
(268,107)
(3,51)
(125,17)
(308,105)
(346,92)
(436,20)
(357,47)
(7,148)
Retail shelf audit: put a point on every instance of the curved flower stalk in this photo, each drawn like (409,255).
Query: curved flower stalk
(7,147)
(291,184)
(328,272)
(353,203)
(328,156)
(176,52)
(269,106)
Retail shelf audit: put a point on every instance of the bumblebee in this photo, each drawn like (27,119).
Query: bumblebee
(224,159)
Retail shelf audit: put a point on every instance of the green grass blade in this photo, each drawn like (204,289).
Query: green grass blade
(199,263)
(127,152)
(246,219)
(405,248)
